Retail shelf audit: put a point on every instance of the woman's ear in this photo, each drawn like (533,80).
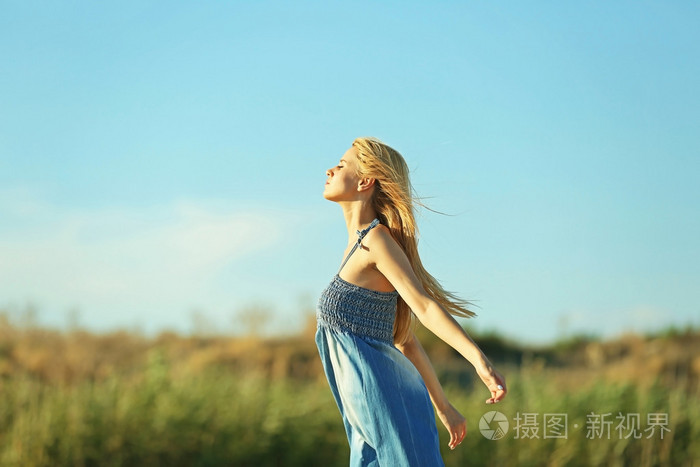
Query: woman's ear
(365,184)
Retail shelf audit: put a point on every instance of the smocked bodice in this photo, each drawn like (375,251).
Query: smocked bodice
(350,308)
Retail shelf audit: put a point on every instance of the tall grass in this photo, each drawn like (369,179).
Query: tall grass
(535,391)
(168,418)
(215,417)
(219,402)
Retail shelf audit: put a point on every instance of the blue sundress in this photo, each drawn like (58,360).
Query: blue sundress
(385,406)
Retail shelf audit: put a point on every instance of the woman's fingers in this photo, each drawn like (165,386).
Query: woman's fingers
(455,423)
(500,391)
(457,436)
(496,383)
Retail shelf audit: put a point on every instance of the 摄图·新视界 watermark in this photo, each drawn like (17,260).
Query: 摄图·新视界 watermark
(533,425)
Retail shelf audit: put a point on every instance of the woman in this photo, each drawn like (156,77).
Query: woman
(378,372)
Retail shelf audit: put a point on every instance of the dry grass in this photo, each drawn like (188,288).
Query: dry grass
(78,398)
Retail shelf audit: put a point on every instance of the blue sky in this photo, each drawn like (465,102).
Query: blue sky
(160,160)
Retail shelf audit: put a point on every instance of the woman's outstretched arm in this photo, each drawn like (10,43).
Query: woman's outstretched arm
(391,261)
(449,416)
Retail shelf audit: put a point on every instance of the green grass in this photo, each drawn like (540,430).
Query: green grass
(167,416)
(532,391)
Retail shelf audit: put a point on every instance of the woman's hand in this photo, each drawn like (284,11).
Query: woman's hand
(455,423)
(494,381)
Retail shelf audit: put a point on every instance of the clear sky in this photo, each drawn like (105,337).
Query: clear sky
(164,160)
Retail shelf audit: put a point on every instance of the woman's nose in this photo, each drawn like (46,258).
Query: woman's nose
(329,173)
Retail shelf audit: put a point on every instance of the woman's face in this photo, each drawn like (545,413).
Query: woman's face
(342,179)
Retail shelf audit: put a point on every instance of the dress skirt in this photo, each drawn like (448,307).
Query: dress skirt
(386,409)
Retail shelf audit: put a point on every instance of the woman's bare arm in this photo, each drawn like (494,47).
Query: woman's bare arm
(454,421)
(392,262)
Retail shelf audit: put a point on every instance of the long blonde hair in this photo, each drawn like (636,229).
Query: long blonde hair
(393,201)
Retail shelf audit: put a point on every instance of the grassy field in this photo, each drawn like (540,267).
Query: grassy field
(80,399)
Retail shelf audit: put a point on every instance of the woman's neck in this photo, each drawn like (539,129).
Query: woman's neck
(358,216)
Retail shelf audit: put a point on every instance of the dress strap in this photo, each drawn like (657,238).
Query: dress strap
(360,234)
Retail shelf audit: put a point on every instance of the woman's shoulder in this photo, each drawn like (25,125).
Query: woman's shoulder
(381,237)
(383,247)
(379,230)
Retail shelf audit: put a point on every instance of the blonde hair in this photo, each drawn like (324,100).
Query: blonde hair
(393,201)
